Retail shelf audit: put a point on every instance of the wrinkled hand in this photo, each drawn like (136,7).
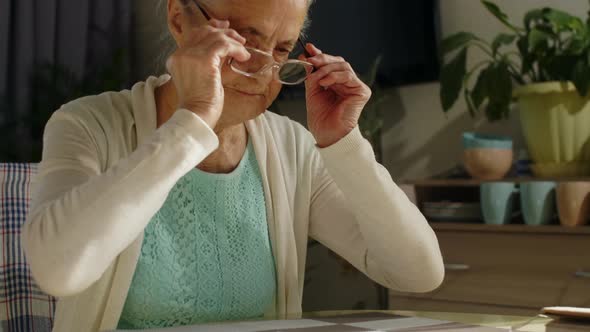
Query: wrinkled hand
(335,97)
(196,67)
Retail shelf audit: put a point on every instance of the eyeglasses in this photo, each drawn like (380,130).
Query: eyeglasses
(289,72)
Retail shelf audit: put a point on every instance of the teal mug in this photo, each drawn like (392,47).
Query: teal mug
(537,200)
(497,202)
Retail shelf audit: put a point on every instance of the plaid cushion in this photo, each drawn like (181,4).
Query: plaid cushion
(23,306)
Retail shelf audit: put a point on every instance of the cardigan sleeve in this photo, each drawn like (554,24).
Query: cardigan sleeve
(361,214)
(80,218)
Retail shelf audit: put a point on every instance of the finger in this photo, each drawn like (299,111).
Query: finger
(312,49)
(322,72)
(343,89)
(324,59)
(228,47)
(220,24)
(235,35)
(345,78)
(219,35)
(196,34)
(218,32)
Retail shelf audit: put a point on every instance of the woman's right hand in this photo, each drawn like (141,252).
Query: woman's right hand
(196,67)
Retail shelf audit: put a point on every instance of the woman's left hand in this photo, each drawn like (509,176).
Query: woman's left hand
(335,97)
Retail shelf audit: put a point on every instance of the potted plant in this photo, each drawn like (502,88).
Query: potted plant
(547,71)
(371,120)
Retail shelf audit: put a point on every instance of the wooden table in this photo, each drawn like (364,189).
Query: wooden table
(509,323)
(402,321)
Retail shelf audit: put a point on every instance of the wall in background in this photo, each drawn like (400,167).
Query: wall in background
(149,26)
(419,139)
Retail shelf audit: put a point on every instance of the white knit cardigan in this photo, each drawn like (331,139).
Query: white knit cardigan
(106,170)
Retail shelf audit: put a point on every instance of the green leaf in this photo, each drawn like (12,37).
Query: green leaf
(478,95)
(531,16)
(500,83)
(528,66)
(451,79)
(538,41)
(501,40)
(581,78)
(455,42)
(563,21)
(498,13)
(548,29)
(523,48)
(480,90)
(577,45)
(370,78)
(495,111)
(561,67)
(469,101)
(497,85)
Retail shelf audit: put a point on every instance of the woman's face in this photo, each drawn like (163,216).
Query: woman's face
(269,25)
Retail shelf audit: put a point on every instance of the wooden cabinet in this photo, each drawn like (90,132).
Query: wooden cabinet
(508,269)
(577,293)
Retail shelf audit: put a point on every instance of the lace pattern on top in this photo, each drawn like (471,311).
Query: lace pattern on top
(206,255)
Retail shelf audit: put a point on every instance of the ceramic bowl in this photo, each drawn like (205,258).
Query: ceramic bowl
(487,157)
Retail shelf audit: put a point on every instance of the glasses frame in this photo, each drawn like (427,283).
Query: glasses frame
(275,65)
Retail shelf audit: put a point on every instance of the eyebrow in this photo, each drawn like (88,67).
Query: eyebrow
(257,33)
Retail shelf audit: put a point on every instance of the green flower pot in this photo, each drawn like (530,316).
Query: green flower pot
(555,122)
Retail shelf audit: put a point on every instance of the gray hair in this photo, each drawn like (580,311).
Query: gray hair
(167,42)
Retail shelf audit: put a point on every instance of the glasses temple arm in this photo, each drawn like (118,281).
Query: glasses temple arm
(307,55)
(202,11)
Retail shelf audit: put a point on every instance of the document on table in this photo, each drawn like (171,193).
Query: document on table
(567,312)
(352,323)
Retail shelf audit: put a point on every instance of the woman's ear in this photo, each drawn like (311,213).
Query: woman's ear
(178,22)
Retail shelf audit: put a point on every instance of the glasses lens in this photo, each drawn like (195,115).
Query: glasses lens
(257,62)
(261,63)
(293,72)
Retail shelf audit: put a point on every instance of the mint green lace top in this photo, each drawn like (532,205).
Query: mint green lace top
(206,255)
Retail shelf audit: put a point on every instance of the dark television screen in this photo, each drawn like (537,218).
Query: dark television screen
(404,32)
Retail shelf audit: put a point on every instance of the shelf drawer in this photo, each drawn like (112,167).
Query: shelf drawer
(517,252)
(577,293)
(415,304)
(520,270)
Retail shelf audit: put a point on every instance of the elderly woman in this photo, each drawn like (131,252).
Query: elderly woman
(182,201)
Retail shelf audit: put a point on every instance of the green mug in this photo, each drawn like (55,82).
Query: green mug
(537,201)
(497,202)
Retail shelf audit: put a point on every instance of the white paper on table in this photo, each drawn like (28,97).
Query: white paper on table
(398,323)
(282,325)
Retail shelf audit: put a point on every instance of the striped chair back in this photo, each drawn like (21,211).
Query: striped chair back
(23,306)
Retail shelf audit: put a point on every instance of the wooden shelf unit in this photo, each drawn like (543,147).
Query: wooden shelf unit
(512,269)
(476,182)
(513,228)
